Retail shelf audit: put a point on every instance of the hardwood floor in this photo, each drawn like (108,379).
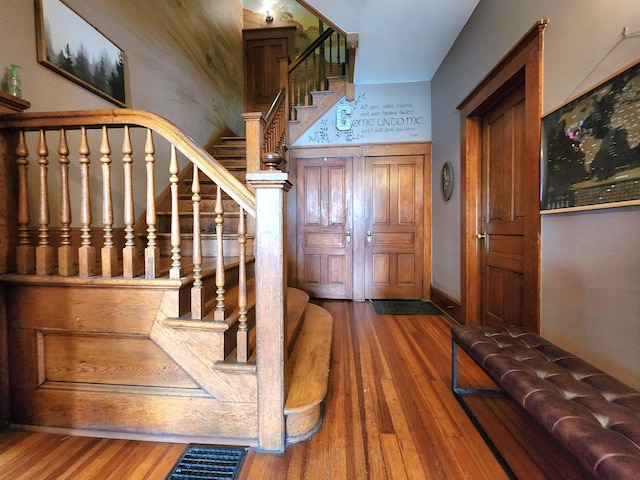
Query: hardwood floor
(390,414)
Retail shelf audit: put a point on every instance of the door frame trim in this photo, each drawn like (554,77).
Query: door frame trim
(522,63)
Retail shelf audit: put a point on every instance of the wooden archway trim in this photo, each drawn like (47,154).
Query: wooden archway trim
(522,63)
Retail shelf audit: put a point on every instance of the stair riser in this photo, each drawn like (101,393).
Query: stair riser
(229,150)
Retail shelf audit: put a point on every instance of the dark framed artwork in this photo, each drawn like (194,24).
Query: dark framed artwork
(591,148)
(71,46)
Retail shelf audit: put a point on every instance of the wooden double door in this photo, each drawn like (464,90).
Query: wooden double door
(360,223)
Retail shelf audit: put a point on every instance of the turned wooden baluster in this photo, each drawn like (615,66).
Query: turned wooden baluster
(87,252)
(66,253)
(300,89)
(292,99)
(316,72)
(197,293)
(176,264)
(219,312)
(338,59)
(243,328)
(25,253)
(307,95)
(151,253)
(109,254)
(129,253)
(331,55)
(44,251)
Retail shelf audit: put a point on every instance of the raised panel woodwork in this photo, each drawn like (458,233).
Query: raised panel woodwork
(503,255)
(31,307)
(81,358)
(324,266)
(134,410)
(520,69)
(262,50)
(394,212)
(387,191)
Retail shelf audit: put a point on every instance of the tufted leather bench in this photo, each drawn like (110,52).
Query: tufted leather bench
(596,417)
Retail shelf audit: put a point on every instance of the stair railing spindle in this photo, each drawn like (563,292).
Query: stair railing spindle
(197,294)
(316,73)
(25,252)
(338,59)
(292,98)
(331,55)
(87,252)
(66,253)
(220,310)
(307,96)
(129,253)
(151,253)
(176,263)
(243,328)
(108,254)
(44,251)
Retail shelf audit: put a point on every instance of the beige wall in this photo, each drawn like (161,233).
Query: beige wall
(184,62)
(590,264)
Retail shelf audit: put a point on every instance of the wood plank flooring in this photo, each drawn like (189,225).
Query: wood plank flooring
(390,414)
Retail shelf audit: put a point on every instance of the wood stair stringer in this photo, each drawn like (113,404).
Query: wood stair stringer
(197,345)
(307,115)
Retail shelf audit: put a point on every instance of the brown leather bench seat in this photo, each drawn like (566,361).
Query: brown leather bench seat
(595,416)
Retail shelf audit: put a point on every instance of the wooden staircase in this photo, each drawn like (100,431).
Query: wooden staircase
(126,355)
(322,100)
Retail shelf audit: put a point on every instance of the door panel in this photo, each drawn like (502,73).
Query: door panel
(324,219)
(394,217)
(502,258)
(263,49)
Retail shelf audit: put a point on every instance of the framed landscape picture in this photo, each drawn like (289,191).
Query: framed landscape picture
(71,46)
(591,148)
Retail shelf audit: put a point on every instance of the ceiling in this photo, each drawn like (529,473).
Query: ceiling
(402,41)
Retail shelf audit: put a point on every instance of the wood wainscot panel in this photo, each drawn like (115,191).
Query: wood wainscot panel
(107,359)
(134,410)
(83,308)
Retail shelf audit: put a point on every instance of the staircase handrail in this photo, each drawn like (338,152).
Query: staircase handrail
(275,127)
(94,119)
(311,48)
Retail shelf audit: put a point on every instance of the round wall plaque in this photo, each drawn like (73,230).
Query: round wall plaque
(446,181)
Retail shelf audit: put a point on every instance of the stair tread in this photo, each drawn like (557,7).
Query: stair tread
(310,361)
(297,301)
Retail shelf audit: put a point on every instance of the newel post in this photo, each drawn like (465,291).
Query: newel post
(254,133)
(271,187)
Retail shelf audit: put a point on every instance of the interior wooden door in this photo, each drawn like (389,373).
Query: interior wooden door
(394,227)
(502,239)
(324,219)
(262,50)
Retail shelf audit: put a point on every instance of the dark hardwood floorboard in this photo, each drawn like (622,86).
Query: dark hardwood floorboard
(389,414)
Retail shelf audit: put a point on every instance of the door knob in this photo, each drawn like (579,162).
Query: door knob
(369,236)
(481,236)
(348,235)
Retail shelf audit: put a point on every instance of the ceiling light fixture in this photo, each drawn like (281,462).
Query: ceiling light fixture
(268,7)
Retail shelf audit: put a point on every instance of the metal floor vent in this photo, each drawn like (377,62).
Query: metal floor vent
(209,462)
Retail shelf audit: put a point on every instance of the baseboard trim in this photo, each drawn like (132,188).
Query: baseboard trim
(141,437)
(451,307)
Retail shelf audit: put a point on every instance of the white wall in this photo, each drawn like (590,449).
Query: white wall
(184,62)
(590,299)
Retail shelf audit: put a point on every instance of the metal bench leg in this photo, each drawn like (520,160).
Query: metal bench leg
(454,377)
(458,392)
